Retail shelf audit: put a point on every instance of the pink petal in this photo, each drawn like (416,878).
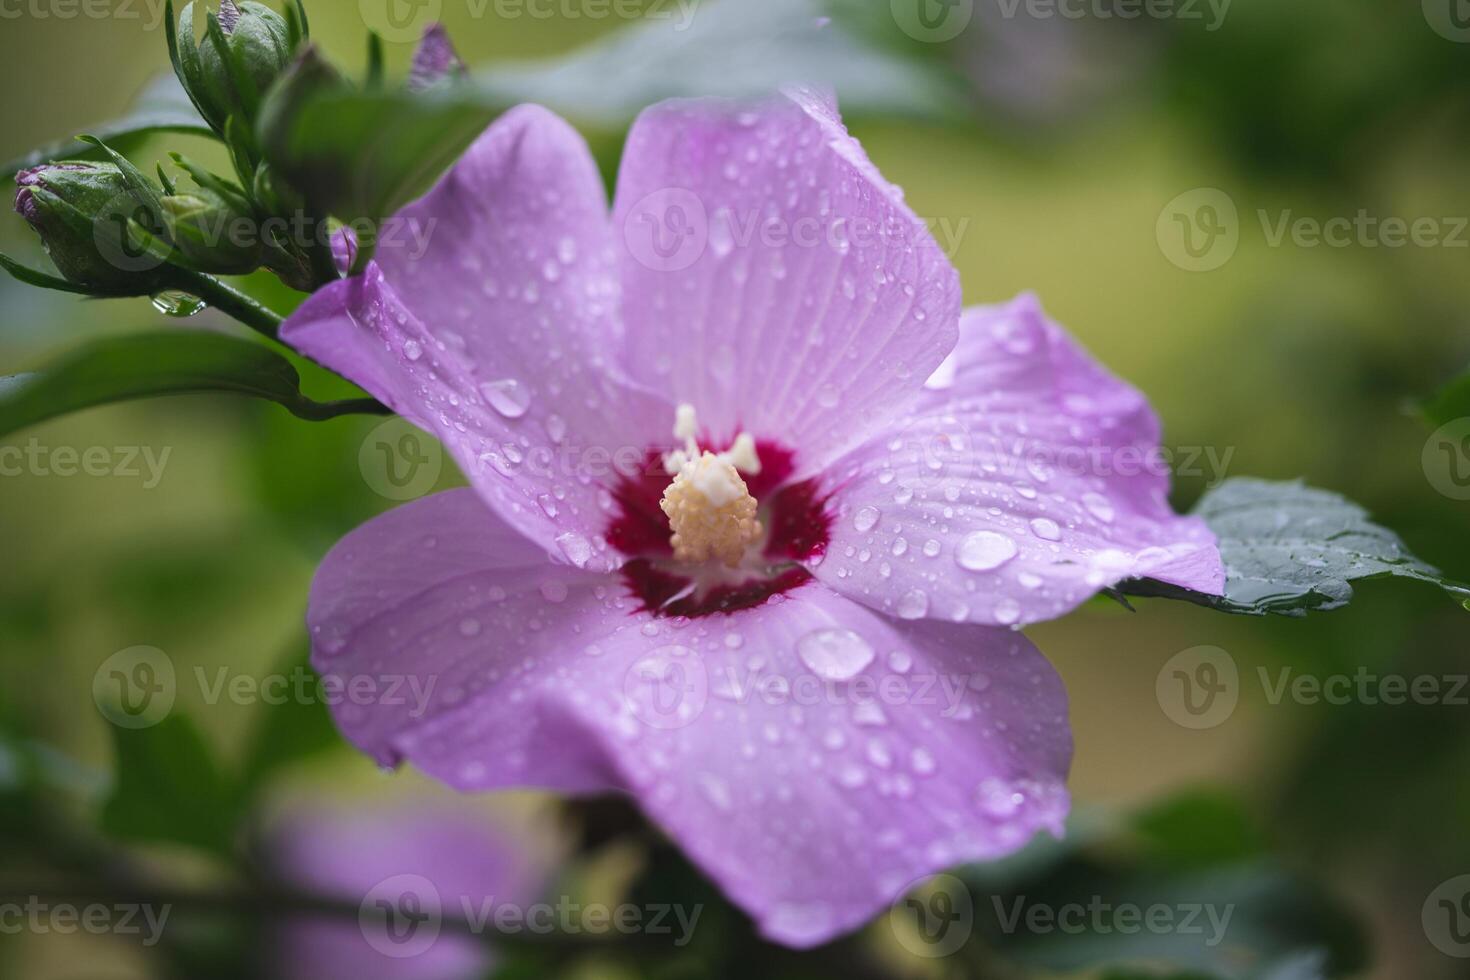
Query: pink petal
(772,278)
(916,746)
(1027,481)
(485,318)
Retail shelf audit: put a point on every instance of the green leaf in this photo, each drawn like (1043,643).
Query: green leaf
(1289,548)
(1449,403)
(162,107)
(730,48)
(165,363)
(168,788)
(35,277)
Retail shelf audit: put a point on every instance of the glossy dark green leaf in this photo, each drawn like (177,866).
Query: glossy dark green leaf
(162,107)
(164,363)
(168,787)
(1289,548)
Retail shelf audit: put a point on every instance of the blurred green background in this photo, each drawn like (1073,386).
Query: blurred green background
(1072,138)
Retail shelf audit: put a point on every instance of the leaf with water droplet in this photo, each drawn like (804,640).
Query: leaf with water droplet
(1289,548)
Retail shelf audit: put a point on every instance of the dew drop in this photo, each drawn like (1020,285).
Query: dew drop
(834,654)
(1046,529)
(865,518)
(173,302)
(576,548)
(508,397)
(984,550)
(913,605)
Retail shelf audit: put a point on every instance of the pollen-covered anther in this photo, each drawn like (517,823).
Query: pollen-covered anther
(710,511)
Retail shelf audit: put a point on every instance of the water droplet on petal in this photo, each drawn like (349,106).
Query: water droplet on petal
(1046,529)
(834,654)
(913,605)
(508,397)
(576,548)
(984,550)
(865,518)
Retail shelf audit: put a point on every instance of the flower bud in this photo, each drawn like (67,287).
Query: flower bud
(229,70)
(213,233)
(83,212)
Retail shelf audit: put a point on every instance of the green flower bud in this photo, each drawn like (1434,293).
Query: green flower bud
(213,233)
(84,214)
(230,69)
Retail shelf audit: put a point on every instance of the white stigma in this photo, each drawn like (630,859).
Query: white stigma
(710,510)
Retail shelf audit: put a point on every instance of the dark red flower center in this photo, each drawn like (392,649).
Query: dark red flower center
(794,515)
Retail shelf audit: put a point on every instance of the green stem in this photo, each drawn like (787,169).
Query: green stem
(230,300)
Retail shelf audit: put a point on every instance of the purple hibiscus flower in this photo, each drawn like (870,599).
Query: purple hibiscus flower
(752,503)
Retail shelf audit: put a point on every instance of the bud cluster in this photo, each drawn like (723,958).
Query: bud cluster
(111,231)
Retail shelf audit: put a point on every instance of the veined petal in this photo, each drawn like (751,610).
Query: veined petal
(772,744)
(1028,480)
(486,318)
(772,278)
